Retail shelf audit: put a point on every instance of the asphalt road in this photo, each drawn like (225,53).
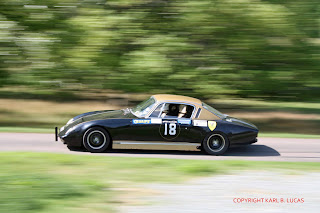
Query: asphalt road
(224,192)
(266,149)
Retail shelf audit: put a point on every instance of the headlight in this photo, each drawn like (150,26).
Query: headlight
(62,128)
(70,130)
(70,121)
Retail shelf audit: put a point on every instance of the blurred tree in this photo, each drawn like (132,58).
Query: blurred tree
(244,48)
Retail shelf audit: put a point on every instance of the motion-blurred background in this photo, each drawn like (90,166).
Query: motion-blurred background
(254,59)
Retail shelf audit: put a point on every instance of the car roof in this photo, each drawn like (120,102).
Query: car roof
(177,98)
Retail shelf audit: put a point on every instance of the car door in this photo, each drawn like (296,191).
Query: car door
(147,128)
(172,127)
(162,128)
(156,131)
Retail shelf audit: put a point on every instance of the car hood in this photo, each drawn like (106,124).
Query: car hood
(241,122)
(100,115)
(106,114)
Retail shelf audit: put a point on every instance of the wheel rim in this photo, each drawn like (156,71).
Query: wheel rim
(216,143)
(96,139)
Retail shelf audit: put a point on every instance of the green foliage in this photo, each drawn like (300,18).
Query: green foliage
(208,48)
(25,192)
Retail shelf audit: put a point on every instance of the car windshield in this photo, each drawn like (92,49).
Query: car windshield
(142,109)
(214,111)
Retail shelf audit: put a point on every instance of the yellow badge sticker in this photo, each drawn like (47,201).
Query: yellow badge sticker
(212,125)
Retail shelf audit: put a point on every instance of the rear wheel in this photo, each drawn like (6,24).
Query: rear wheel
(215,144)
(96,139)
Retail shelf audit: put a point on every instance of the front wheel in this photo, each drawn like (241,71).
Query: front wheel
(215,144)
(96,139)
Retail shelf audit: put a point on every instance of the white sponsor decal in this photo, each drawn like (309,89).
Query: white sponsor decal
(184,121)
(156,120)
(200,123)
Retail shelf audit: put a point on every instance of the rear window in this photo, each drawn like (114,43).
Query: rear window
(213,110)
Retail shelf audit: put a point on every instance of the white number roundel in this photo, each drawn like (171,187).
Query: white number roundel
(172,129)
(169,130)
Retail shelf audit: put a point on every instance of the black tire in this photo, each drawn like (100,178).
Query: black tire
(215,144)
(96,139)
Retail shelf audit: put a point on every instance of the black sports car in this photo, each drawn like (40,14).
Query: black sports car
(167,122)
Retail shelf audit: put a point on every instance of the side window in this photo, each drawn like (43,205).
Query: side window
(157,111)
(186,111)
(171,110)
(198,113)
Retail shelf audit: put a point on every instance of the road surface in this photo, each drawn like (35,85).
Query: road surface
(266,149)
(269,191)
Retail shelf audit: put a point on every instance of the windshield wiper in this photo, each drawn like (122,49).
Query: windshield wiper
(126,111)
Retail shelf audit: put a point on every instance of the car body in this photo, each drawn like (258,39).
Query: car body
(162,122)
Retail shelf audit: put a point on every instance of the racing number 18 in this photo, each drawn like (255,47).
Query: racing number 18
(172,129)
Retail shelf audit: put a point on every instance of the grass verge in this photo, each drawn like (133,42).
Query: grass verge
(301,118)
(288,135)
(26,130)
(43,182)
